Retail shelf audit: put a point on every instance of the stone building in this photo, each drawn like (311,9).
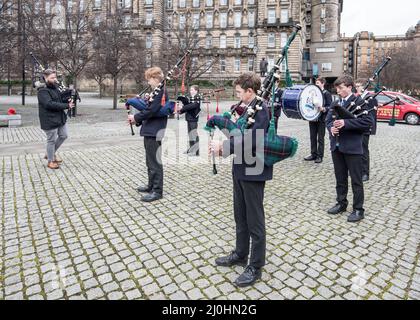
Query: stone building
(365,49)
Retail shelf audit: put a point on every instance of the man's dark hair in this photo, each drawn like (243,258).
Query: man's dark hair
(346,80)
(249,80)
(48,72)
(322,80)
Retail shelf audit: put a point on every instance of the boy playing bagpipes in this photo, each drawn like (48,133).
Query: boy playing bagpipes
(153,129)
(249,177)
(192,107)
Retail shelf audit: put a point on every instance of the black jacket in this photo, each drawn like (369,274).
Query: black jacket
(373,114)
(243,170)
(152,125)
(191,111)
(51,108)
(351,135)
(327,103)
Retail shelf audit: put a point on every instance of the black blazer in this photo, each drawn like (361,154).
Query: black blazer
(327,104)
(51,108)
(191,111)
(152,125)
(373,114)
(351,135)
(234,145)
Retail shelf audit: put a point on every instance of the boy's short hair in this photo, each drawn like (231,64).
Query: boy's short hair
(154,72)
(196,88)
(249,80)
(346,80)
(48,72)
(361,80)
(321,79)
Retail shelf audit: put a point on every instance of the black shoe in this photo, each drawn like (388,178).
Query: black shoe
(144,189)
(151,197)
(231,260)
(318,160)
(365,178)
(248,277)
(310,158)
(338,208)
(356,215)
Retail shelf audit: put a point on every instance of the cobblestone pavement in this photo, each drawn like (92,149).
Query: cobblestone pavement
(82,233)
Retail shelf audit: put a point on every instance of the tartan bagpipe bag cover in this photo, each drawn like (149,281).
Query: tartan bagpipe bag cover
(276,147)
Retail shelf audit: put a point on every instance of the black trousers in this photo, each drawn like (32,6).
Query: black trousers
(317,134)
(154,164)
(343,165)
(193,137)
(248,198)
(365,157)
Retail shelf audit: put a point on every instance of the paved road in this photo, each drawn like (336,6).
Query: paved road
(82,233)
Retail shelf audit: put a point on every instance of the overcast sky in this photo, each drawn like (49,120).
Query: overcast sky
(382,17)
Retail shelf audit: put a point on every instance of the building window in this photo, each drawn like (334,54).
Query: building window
(169,21)
(127,3)
(251,1)
(251,19)
(251,41)
(271,14)
(326,67)
(323,1)
(69,5)
(209,3)
(222,41)
(196,3)
(209,42)
(237,41)
(238,2)
(238,19)
(284,18)
(323,13)
(250,64)
(223,19)
(270,61)
(148,60)
(196,20)
(149,17)
(209,20)
(181,21)
(322,27)
(149,41)
(182,3)
(97,19)
(48,7)
(237,65)
(209,64)
(223,64)
(283,39)
(169,4)
(127,21)
(97,4)
(223,2)
(82,5)
(271,40)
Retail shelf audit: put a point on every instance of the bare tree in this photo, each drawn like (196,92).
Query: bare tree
(199,62)
(116,43)
(138,64)
(74,53)
(96,69)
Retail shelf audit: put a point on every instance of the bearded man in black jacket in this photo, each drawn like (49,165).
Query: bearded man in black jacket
(52,117)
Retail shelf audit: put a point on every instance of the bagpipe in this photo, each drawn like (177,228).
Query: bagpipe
(168,107)
(360,108)
(38,82)
(276,147)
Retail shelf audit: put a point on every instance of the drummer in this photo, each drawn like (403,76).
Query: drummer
(317,126)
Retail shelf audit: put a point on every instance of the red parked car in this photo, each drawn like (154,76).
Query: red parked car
(406,109)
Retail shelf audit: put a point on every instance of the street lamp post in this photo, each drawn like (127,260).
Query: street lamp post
(22,33)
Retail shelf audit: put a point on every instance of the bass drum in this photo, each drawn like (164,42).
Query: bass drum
(302,102)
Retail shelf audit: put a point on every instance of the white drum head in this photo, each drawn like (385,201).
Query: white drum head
(310,99)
